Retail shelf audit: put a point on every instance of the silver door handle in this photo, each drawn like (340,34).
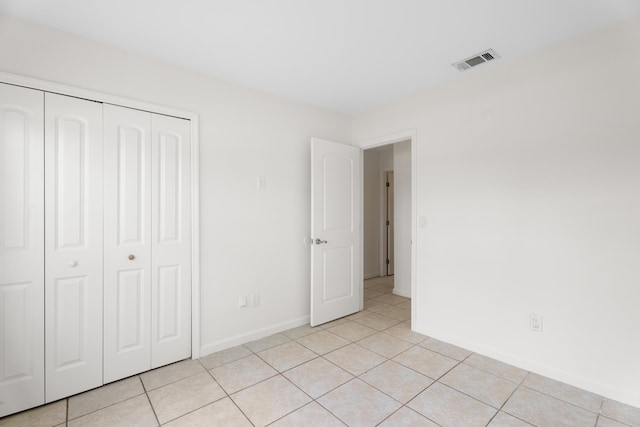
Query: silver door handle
(319,242)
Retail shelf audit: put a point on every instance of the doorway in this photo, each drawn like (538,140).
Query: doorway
(388,214)
(350,195)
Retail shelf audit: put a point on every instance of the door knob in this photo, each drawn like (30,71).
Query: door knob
(132,257)
(72,263)
(320,242)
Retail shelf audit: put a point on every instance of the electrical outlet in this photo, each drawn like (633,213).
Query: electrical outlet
(535,322)
(255,300)
(261,183)
(242,301)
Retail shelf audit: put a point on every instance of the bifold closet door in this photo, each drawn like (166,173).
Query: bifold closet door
(21,248)
(147,241)
(171,236)
(73,245)
(127,229)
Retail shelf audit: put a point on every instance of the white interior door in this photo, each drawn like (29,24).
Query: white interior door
(336,252)
(127,231)
(171,240)
(147,241)
(73,245)
(21,249)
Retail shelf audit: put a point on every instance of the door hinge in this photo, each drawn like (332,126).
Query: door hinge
(387,261)
(388,184)
(388,223)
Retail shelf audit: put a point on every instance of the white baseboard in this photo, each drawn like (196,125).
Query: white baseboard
(402,292)
(251,336)
(628,398)
(371,275)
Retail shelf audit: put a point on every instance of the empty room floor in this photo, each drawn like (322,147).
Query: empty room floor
(368,369)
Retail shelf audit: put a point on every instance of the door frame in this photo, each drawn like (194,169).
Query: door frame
(406,135)
(383,215)
(105,98)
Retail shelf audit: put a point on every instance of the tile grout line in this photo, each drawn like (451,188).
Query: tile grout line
(146,393)
(305,393)
(386,359)
(507,400)
(103,407)
(458,362)
(563,400)
(226,395)
(153,409)
(519,385)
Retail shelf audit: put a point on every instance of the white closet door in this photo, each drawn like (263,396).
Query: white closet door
(127,292)
(171,235)
(73,242)
(21,249)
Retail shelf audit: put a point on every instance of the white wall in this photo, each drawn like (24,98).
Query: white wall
(371,214)
(528,174)
(385,160)
(251,241)
(402,218)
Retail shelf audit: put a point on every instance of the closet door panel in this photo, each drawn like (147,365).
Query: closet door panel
(171,240)
(21,249)
(73,245)
(127,158)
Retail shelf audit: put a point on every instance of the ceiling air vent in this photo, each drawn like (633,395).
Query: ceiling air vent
(481,58)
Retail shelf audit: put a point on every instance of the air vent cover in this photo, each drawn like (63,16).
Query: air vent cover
(480,58)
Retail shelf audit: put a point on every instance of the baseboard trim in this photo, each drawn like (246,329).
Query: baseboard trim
(252,336)
(540,369)
(402,292)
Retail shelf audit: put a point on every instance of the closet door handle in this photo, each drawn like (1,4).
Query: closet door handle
(131,257)
(72,263)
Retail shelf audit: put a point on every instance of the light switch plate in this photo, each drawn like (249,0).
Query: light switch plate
(423,222)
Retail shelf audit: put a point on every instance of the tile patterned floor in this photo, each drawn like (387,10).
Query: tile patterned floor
(368,369)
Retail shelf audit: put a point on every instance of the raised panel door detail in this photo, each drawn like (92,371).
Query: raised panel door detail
(147,230)
(127,242)
(16,355)
(70,182)
(21,248)
(335,285)
(131,310)
(14,155)
(338,193)
(73,245)
(169,188)
(70,325)
(171,240)
(169,297)
(131,184)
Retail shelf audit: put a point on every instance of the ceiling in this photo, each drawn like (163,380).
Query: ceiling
(345,55)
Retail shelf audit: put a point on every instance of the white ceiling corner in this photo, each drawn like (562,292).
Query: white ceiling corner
(345,55)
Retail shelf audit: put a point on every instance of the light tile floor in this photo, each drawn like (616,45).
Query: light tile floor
(367,369)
